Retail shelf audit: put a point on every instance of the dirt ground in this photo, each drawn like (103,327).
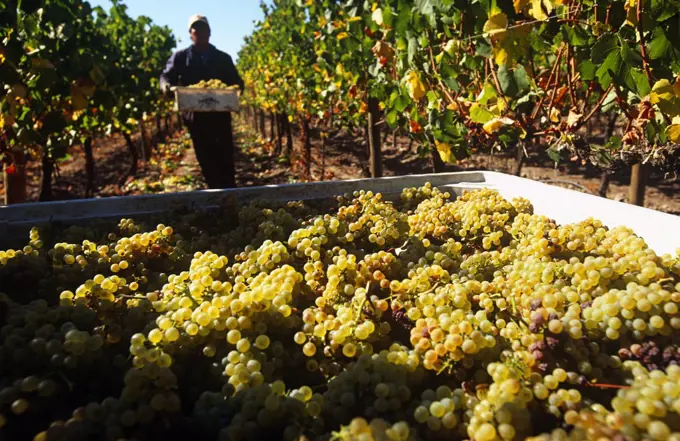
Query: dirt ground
(173,167)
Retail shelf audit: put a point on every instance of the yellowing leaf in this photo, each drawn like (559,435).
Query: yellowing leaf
(342,35)
(631,12)
(502,56)
(501,105)
(444,149)
(353,19)
(666,97)
(416,88)
(676,87)
(496,124)
(496,25)
(537,9)
(453,106)
(673,132)
(554,115)
(450,47)
(662,90)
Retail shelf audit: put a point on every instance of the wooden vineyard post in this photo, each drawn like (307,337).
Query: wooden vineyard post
(307,142)
(324,135)
(289,138)
(89,167)
(263,131)
(46,177)
(606,175)
(604,184)
(132,171)
(272,126)
(375,154)
(144,142)
(15,178)
(159,132)
(279,133)
(520,159)
(638,184)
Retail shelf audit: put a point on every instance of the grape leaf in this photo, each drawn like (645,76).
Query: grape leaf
(673,133)
(664,95)
(514,82)
(641,81)
(412,48)
(603,48)
(611,65)
(587,70)
(659,44)
(576,35)
(495,124)
(479,114)
(553,154)
(496,25)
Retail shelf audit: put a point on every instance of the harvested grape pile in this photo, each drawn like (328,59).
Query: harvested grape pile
(356,319)
(211,84)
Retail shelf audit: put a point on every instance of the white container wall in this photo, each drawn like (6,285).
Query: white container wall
(661,231)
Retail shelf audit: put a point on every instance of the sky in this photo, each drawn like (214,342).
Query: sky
(230,20)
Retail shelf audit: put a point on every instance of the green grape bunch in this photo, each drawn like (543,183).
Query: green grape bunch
(212,84)
(423,316)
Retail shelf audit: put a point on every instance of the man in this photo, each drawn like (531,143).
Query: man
(210,131)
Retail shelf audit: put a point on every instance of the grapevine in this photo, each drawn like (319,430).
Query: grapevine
(467,77)
(73,73)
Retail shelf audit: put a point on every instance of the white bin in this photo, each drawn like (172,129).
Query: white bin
(661,231)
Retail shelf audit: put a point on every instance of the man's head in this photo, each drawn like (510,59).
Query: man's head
(199,30)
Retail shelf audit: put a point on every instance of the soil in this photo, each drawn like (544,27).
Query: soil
(343,155)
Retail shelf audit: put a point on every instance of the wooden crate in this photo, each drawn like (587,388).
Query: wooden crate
(189,99)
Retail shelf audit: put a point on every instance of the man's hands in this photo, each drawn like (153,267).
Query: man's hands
(165,89)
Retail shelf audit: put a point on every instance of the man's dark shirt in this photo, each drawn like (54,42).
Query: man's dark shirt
(189,66)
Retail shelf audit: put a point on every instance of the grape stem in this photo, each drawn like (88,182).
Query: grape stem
(606,386)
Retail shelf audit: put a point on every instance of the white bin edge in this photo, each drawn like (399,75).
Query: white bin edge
(661,231)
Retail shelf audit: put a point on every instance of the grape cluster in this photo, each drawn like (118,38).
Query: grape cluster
(211,84)
(366,317)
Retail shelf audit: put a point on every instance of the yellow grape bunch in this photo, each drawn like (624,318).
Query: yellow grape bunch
(212,84)
(388,317)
